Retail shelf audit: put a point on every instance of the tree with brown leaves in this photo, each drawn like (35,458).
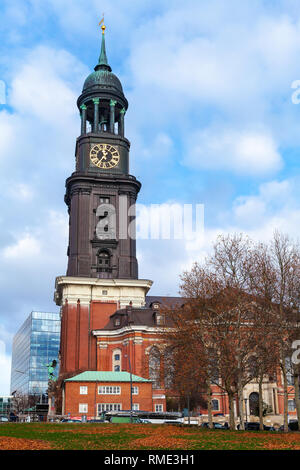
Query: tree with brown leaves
(239,307)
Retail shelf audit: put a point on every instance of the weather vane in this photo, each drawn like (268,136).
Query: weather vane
(103,25)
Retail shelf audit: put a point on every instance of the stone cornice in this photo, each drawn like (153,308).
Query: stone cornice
(89,289)
(130,329)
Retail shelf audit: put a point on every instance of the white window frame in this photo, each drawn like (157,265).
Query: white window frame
(135,390)
(83,390)
(109,390)
(159,407)
(135,406)
(83,408)
(108,407)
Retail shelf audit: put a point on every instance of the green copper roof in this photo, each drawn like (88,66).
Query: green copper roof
(103,77)
(105,376)
(102,57)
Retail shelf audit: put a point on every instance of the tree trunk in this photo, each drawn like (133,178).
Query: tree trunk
(231,411)
(297,399)
(285,395)
(241,408)
(260,403)
(209,405)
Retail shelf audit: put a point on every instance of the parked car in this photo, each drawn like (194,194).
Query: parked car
(69,420)
(255,427)
(293,426)
(269,428)
(3,419)
(215,425)
(13,417)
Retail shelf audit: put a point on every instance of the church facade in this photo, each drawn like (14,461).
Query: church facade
(109,323)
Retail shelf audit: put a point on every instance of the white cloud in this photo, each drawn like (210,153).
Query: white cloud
(7,133)
(20,192)
(44,86)
(40,243)
(25,248)
(5,367)
(248,152)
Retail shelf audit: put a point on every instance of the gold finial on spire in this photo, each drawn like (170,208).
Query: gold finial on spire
(103,25)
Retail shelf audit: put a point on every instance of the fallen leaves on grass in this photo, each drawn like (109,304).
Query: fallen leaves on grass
(159,442)
(14,443)
(283,441)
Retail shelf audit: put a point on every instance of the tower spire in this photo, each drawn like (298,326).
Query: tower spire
(102,62)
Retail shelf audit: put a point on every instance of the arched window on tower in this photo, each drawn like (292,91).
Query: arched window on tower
(154,366)
(104,263)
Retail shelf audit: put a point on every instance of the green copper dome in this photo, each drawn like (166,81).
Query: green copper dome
(103,76)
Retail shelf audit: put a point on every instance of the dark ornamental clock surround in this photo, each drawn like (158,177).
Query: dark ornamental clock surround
(101,183)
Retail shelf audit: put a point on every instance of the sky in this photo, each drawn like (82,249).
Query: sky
(213,119)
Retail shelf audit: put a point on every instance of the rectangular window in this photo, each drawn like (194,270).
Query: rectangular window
(109,390)
(108,407)
(215,405)
(135,390)
(135,406)
(83,408)
(83,390)
(159,408)
(291,405)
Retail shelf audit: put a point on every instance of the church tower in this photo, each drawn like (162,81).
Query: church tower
(102,272)
(101,193)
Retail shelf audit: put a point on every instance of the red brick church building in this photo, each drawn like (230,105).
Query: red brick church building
(110,326)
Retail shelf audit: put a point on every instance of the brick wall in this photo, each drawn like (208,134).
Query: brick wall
(78,345)
(73,397)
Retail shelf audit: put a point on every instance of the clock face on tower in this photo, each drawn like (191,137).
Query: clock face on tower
(104,156)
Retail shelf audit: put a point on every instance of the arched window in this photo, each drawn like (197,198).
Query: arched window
(103,261)
(154,366)
(253,403)
(117,360)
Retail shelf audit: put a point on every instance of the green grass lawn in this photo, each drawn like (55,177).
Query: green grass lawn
(68,436)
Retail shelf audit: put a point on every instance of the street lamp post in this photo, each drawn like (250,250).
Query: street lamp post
(130,371)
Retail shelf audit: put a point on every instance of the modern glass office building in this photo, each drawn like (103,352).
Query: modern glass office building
(35,345)
(5,406)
